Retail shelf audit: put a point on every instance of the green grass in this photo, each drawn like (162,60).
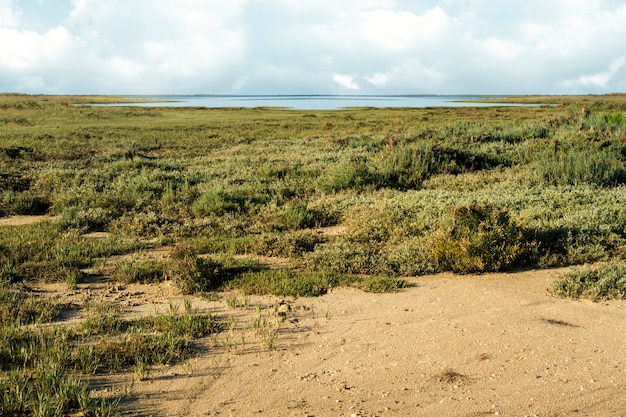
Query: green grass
(409,191)
(37,377)
(383,284)
(289,283)
(241,181)
(20,308)
(41,369)
(141,271)
(48,250)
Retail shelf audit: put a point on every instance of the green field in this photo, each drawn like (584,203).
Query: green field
(360,197)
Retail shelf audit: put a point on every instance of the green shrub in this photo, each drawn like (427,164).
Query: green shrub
(93,218)
(408,168)
(14,181)
(574,246)
(410,257)
(345,258)
(401,168)
(482,238)
(367,142)
(216,202)
(22,203)
(218,243)
(277,170)
(193,274)
(493,131)
(604,281)
(291,244)
(239,200)
(352,174)
(572,166)
(300,216)
(382,222)
(142,224)
(615,119)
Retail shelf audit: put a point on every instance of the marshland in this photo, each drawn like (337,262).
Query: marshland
(222,207)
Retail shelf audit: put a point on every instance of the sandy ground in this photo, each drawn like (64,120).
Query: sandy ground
(495,344)
(23,220)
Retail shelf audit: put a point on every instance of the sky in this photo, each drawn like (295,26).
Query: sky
(313,46)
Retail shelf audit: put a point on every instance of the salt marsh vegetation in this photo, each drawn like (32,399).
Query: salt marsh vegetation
(284,202)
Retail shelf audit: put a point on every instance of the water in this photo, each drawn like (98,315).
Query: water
(312,102)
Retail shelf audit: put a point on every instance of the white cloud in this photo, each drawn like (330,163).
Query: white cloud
(378,79)
(502,49)
(410,76)
(398,30)
(346,81)
(22,51)
(600,79)
(9,15)
(125,69)
(313,46)
(122,47)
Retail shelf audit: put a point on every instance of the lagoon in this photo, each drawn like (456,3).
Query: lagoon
(314,102)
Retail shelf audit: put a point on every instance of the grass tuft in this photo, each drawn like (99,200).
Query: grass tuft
(141,271)
(289,283)
(383,284)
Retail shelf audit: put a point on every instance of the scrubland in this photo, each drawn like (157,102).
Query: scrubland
(282,202)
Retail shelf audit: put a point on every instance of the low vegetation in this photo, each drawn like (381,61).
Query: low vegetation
(360,197)
(42,369)
(604,281)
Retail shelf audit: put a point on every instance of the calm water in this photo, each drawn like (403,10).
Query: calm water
(312,102)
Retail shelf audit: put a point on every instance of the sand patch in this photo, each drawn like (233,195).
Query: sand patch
(495,344)
(25,220)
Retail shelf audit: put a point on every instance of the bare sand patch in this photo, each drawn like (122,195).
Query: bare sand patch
(496,344)
(25,220)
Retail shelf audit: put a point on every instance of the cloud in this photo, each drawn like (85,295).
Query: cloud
(122,47)
(615,71)
(378,79)
(399,30)
(160,43)
(346,81)
(306,46)
(9,15)
(50,48)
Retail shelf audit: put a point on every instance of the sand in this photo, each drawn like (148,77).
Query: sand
(496,344)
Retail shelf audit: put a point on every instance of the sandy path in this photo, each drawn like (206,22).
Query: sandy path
(449,346)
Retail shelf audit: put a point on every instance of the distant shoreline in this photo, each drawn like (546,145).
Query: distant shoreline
(315,101)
